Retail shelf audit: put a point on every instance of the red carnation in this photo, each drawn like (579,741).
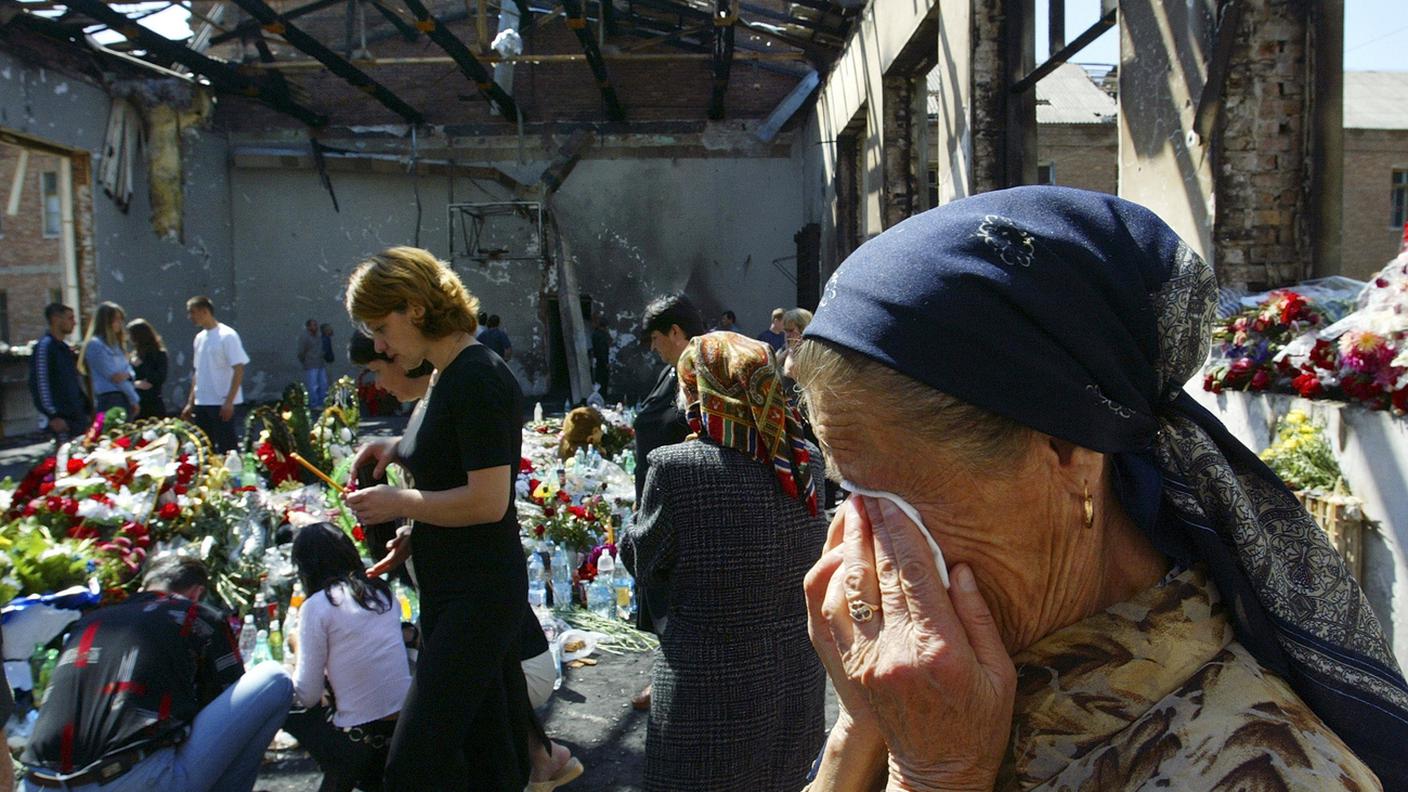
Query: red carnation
(358,533)
(74,465)
(46,488)
(169,511)
(1308,385)
(524,466)
(578,512)
(53,503)
(1260,380)
(123,442)
(29,509)
(185,472)
(46,467)
(1240,371)
(134,529)
(1324,355)
(563,496)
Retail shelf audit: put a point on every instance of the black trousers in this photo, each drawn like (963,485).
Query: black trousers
(221,433)
(347,764)
(467,721)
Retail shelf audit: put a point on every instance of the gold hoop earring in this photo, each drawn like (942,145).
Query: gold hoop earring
(1089,508)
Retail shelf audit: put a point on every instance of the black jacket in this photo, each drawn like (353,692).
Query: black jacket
(54,385)
(659,423)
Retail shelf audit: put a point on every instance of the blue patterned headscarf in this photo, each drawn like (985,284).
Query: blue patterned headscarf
(1082,315)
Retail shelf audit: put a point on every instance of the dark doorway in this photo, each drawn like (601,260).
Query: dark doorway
(808,242)
(559,387)
(850,156)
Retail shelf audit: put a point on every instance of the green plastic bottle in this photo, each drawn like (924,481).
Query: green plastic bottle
(276,641)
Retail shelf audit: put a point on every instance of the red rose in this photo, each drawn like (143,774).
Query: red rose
(1208,382)
(169,511)
(1260,325)
(1308,385)
(540,529)
(53,503)
(46,467)
(549,511)
(29,509)
(123,442)
(1260,380)
(1324,355)
(358,533)
(578,512)
(180,489)
(74,465)
(1381,282)
(524,466)
(185,472)
(46,488)
(563,496)
(134,529)
(1240,371)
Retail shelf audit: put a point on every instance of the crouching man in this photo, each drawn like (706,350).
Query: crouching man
(151,694)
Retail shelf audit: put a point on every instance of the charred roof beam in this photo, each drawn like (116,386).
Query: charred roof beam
(577,23)
(253,24)
(279,25)
(725,15)
(470,65)
(273,91)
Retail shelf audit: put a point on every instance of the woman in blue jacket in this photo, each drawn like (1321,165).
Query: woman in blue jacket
(104,360)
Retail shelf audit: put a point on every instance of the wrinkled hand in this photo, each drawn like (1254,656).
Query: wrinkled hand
(382,451)
(931,662)
(377,504)
(397,551)
(818,580)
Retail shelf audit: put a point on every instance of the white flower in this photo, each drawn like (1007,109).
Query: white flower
(6,498)
(345,435)
(206,545)
(92,509)
(108,458)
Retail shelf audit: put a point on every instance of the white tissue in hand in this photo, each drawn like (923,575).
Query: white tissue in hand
(913,514)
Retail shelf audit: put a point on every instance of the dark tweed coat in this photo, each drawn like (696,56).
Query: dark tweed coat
(738,696)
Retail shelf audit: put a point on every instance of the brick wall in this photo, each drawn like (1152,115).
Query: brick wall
(1370,155)
(31,265)
(1081,155)
(1261,234)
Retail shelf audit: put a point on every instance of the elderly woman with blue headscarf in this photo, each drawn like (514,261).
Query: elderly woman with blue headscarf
(1062,573)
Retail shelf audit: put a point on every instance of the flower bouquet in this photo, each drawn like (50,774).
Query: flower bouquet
(1301,456)
(1248,344)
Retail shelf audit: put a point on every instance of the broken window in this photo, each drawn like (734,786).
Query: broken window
(1046,173)
(49,190)
(1399,197)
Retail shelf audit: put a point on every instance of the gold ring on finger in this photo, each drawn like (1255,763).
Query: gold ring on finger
(861,612)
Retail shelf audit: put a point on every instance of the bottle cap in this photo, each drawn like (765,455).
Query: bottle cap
(274,625)
(262,634)
(249,618)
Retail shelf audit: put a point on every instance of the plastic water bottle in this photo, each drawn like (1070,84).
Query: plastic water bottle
(262,653)
(261,611)
(625,589)
(276,641)
(561,578)
(603,600)
(537,583)
(249,634)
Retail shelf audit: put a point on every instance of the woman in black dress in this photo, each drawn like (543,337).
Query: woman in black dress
(149,361)
(467,722)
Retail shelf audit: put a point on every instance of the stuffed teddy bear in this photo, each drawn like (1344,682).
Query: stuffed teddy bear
(583,426)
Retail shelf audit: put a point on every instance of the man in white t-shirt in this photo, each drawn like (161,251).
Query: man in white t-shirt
(219,370)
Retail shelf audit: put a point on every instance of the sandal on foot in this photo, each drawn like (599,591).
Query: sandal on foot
(565,774)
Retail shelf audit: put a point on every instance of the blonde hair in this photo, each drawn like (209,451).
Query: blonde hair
(101,326)
(798,318)
(836,376)
(400,277)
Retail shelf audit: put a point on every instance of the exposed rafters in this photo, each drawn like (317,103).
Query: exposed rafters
(577,23)
(253,24)
(465,59)
(725,15)
(337,64)
(269,89)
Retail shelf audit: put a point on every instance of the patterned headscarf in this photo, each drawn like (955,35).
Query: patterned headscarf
(1082,315)
(734,396)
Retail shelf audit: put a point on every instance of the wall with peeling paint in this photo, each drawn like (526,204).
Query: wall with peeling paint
(150,277)
(636,228)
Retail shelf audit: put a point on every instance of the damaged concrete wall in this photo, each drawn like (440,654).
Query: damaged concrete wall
(637,228)
(150,277)
(888,32)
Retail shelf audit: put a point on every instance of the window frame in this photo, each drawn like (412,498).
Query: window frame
(1398,197)
(44,206)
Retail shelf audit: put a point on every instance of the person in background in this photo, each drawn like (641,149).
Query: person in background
(349,641)
(601,353)
(104,360)
(218,373)
(310,356)
(149,362)
(483,320)
(773,336)
(727,529)
(328,356)
(151,694)
(794,323)
(54,384)
(496,339)
(668,325)
(728,322)
(7,708)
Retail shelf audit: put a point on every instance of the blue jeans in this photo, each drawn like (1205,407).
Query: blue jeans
(316,380)
(226,745)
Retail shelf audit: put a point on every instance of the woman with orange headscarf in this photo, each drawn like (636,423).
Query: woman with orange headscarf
(728,526)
